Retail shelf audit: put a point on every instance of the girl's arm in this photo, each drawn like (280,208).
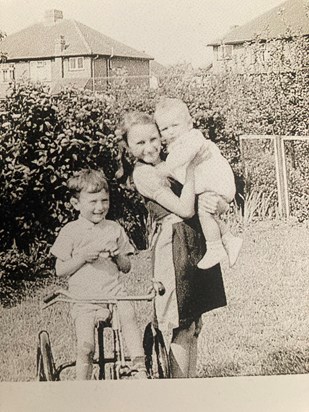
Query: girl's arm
(183,206)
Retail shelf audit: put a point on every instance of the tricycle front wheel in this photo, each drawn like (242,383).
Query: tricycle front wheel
(157,360)
(46,370)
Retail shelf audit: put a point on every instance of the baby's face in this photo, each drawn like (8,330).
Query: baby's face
(173,124)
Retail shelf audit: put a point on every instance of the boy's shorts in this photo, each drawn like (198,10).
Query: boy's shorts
(93,311)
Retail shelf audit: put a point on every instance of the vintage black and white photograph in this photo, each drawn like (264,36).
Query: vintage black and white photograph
(121,258)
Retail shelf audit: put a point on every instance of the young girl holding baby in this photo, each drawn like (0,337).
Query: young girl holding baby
(180,245)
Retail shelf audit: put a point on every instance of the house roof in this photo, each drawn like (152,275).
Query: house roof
(272,24)
(38,41)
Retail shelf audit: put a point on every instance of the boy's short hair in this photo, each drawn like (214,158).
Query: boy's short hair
(89,180)
(167,104)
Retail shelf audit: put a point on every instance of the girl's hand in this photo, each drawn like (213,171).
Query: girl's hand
(212,203)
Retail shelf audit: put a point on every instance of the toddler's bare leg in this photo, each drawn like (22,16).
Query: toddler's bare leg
(211,230)
(85,345)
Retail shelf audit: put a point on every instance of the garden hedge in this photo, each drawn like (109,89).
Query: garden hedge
(45,138)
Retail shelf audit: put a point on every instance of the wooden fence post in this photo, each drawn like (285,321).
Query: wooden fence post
(283,199)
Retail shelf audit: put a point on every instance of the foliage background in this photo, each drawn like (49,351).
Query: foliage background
(45,138)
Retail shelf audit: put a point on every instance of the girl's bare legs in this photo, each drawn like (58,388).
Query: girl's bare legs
(193,350)
(183,352)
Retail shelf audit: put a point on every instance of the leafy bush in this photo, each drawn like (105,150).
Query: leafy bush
(44,140)
(18,270)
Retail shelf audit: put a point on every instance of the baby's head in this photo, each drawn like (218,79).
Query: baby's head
(173,119)
(90,194)
(140,134)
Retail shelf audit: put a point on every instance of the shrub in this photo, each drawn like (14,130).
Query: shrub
(44,140)
(20,271)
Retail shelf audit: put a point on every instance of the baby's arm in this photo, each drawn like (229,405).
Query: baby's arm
(185,149)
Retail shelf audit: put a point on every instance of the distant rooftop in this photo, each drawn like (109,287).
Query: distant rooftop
(38,40)
(292,14)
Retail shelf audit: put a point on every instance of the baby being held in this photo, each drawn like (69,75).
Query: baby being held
(213,174)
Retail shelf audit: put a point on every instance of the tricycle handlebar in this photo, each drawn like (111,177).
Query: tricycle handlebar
(62,295)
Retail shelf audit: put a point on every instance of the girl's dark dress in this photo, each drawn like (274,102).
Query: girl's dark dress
(179,246)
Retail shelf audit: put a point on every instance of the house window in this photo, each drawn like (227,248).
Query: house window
(225,52)
(40,63)
(5,76)
(76,63)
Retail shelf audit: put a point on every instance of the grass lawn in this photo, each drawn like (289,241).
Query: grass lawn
(264,330)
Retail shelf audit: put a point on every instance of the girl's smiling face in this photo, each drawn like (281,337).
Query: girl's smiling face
(144,142)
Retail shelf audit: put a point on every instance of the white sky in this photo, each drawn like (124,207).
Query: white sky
(171,31)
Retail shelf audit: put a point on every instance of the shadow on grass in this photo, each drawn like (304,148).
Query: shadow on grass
(286,361)
(281,362)
(226,369)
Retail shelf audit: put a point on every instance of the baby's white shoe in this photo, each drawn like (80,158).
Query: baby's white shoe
(215,253)
(232,245)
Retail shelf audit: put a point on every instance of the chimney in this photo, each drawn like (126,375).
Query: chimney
(52,16)
(59,45)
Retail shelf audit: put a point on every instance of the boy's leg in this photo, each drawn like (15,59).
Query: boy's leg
(84,324)
(132,336)
(211,230)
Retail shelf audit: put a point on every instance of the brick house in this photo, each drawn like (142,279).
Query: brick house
(229,51)
(60,52)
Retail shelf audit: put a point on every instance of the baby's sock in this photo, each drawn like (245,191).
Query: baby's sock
(232,245)
(214,254)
